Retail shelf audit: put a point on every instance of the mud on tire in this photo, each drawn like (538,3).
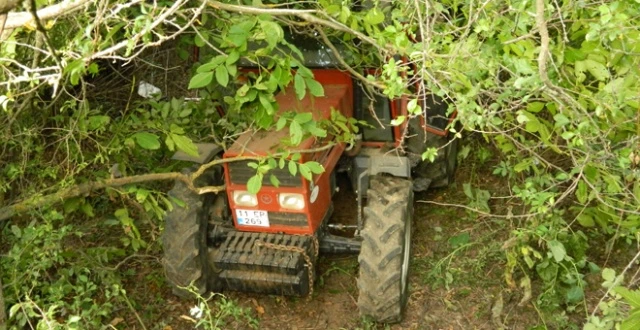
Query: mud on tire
(386,249)
(185,240)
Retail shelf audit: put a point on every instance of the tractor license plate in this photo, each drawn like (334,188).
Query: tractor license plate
(252,218)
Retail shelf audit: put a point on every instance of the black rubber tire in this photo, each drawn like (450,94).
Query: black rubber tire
(439,173)
(386,249)
(184,241)
(448,165)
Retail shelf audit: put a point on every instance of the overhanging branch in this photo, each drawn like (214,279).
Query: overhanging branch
(15,20)
(305,14)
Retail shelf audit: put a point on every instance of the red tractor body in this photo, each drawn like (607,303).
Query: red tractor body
(271,214)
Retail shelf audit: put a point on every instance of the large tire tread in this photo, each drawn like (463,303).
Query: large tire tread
(184,241)
(381,296)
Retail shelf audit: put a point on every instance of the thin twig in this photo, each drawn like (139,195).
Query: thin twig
(504,216)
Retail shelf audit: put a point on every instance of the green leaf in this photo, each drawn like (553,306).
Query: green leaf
(608,274)
(548,271)
(459,240)
(597,69)
(374,16)
(147,140)
(561,120)
(254,184)
(238,33)
(199,40)
(430,154)
(305,171)
(586,220)
(535,107)
(274,181)
(315,130)
(72,204)
(295,132)
(413,108)
(303,117)
(574,294)
(281,123)
(298,84)
(557,249)
(97,122)
(273,32)
(211,65)
(232,70)
(632,297)
(233,57)
(16,231)
(315,167)
(87,209)
(266,103)
(201,80)
(222,75)
(581,192)
(315,87)
(397,121)
(184,144)
(293,168)
(632,322)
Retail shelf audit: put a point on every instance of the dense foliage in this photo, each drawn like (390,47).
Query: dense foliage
(552,85)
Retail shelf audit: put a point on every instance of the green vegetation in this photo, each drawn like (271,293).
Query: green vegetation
(546,90)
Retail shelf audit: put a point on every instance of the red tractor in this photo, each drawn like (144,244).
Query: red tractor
(269,242)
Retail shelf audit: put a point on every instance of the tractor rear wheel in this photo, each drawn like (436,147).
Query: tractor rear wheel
(386,249)
(448,165)
(440,172)
(185,239)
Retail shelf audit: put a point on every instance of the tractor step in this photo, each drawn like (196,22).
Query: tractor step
(265,263)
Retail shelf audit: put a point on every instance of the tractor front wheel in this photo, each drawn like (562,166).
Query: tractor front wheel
(185,240)
(386,249)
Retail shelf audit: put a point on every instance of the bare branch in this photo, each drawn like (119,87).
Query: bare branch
(83,189)
(305,14)
(159,20)
(15,20)
(8,5)
(344,64)
(544,43)
(3,19)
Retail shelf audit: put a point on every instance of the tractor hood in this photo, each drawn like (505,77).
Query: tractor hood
(338,96)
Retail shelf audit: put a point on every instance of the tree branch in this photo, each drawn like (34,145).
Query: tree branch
(83,189)
(544,43)
(15,20)
(3,20)
(353,72)
(40,28)
(159,20)
(305,14)
(7,5)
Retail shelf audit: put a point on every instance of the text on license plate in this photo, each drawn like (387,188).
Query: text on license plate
(252,218)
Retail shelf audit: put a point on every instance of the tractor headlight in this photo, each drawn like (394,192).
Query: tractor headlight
(291,201)
(244,198)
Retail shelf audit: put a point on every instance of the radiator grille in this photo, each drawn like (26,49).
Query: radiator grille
(288,219)
(240,173)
